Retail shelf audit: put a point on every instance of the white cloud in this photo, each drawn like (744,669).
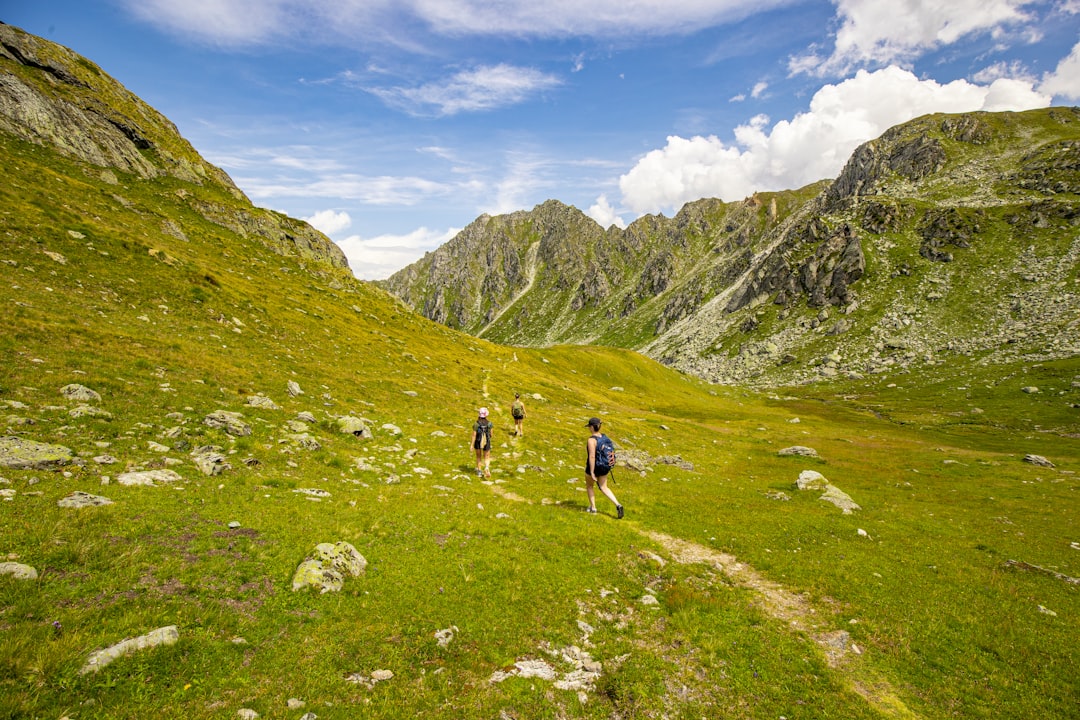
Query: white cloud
(759,90)
(380,257)
(380,190)
(812,145)
(874,33)
(602,212)
(1014,71)
(1064,82)
(483,88)
(329,222)
(245,22)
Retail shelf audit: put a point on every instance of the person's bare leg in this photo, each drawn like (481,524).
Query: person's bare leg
(591,493)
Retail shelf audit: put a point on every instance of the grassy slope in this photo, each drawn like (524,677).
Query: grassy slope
(945,628)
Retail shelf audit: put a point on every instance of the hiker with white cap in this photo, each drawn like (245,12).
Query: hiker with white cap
(481,443)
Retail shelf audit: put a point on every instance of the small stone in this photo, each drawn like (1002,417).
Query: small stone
(18,571)
(381,675)
(1038,460)
(1030,389)
(294,703)
(234,524)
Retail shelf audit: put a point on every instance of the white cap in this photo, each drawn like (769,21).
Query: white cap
(483,412)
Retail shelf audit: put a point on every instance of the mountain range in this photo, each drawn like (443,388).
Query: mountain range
(948,235)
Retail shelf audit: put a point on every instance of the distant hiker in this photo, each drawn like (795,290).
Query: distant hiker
(599,461)
(518,411)
(481,443)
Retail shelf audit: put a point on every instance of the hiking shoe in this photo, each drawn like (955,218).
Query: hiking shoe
(618,509)
(591,510)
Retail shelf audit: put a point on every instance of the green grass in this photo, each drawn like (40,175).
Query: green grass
(945,626)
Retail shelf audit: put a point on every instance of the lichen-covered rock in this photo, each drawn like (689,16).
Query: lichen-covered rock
(328,567)
(840,499)
(80,499)
(169,635)
(798,450)
(18,571)
(261,401)
(82,411)
(231,422)
(210,460)
(80,393)
(811,480)
(148,478)
(353,426)
(20,454)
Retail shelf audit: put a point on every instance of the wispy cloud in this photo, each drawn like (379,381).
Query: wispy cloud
(252,22)
(1064,82)
(483,88)
(377,190)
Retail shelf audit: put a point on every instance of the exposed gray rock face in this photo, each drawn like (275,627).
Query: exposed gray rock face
(169,635)
(1038,460)
(261,401)
(90,411)
(21,454)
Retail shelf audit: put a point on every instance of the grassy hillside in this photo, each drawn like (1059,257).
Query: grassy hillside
(765,601)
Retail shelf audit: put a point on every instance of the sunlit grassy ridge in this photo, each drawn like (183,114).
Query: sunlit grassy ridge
(99,289)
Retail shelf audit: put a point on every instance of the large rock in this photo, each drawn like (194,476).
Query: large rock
(353,426)
(798,450)
(840,499)
(80,393)
(328,567)
(149,478)
(80,499)
(21,454)
(169,635)
(231,422)
(210,460)
(18,571)
(811,480)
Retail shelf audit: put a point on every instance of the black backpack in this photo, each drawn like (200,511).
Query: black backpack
(605,453)
(484,426)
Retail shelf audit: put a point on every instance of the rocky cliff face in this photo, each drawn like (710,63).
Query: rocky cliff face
(51,96)
(946,236)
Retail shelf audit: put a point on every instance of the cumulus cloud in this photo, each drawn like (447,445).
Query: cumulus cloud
(483,88)
(603,213)
(247,22)
(811,146)
(1064,82)
(329,222)
(873,33)
(380,257)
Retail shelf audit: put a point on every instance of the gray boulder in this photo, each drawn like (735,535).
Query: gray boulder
(1038,460)
(18,571)
(353,426)
(261,401)
(82,411)
(811,480)
(328,567)
(840,499)
(80,499)
(21,454)
(231,422)
(294,389)
(798,450)
(149,478)
(80,393)
(210,460)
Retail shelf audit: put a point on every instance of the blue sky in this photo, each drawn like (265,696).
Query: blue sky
(392,124)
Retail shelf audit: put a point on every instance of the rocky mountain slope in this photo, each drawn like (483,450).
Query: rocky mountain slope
(947,235)
(55,98)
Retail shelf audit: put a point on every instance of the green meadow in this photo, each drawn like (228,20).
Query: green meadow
(725,591)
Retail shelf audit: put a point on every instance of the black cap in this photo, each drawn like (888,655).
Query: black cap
(593,422)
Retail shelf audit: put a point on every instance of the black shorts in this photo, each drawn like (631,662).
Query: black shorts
(478,445)
(600,472)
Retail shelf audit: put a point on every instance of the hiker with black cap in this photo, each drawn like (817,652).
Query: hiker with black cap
(599,460)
